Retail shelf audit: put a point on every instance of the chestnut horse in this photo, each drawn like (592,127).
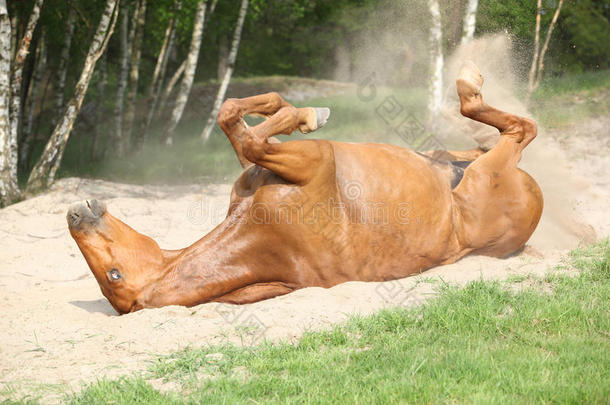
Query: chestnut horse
(319,213)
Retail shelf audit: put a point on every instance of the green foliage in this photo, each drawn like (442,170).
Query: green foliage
(477,344)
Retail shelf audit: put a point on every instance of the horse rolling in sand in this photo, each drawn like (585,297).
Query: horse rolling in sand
(318,213)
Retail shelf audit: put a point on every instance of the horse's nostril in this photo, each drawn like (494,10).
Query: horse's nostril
(88,212)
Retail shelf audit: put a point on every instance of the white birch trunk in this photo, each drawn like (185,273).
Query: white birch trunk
(119,106)
(62,69)
(31,101)
(435,88)
(156,85)
(189,73)
(99,112)
(470,20)
(222,91)
(546,45)
(9,189)
(134,69)
(14,33)
(532,74)
(16,79)
(170,86)
(45,169)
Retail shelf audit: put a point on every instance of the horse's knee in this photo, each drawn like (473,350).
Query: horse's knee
(254,149)
(530,130)
(229,113)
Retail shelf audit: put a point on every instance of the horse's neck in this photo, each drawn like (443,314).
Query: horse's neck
(209,268)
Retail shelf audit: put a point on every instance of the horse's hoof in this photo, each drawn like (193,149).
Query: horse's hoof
(316,118)
(469,78)
(322,114)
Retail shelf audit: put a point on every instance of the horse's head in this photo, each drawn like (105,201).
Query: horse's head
(123,261)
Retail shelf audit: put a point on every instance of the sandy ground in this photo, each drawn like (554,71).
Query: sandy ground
(58,331)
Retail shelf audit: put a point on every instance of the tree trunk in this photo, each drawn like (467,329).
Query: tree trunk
(156,85)
(546,45)
(9,189)
(170,86)
(470,20)
(454,27)
(189,73)
(15,94)
(119,106)
(134,68)
(532,74)
(222,91)
(32,100)
(45,169)
(223,56)
(99,111)
(435,88)
(14,34)
(62,68)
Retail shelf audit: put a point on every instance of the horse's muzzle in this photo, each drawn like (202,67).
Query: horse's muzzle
(87,213)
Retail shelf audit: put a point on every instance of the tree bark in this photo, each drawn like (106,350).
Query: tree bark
(119,106)
(435,88)
(9,189)
(15,93)
(470,21)
(99,111)
(134,69)
(546,45)
(189,73)
(223,56)
(222,91)
(62,68)
(32,100)
(45,169)
(156,85)
(170,86)
(14,34)
(532,74)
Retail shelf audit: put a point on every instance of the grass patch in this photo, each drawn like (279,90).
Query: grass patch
(561,101)
(477,344)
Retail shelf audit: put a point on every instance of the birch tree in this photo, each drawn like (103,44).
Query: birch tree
(532,74)
(45,169)
(31,101)
(470,21)
(189,73)
(435,87)
(134,69)
(99,111)
(119,106)
(535,75)
(9,190)
(14,34)
(170,86)
(222,91)
(156,84)
(15,92)
(62,68)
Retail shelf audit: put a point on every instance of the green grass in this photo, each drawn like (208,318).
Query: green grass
(561,101)
(483,343)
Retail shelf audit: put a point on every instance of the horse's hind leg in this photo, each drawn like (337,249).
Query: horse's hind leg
(296,162)
(230,118)
(499,205)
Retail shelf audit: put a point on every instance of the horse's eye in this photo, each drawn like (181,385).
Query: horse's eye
(114,275)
